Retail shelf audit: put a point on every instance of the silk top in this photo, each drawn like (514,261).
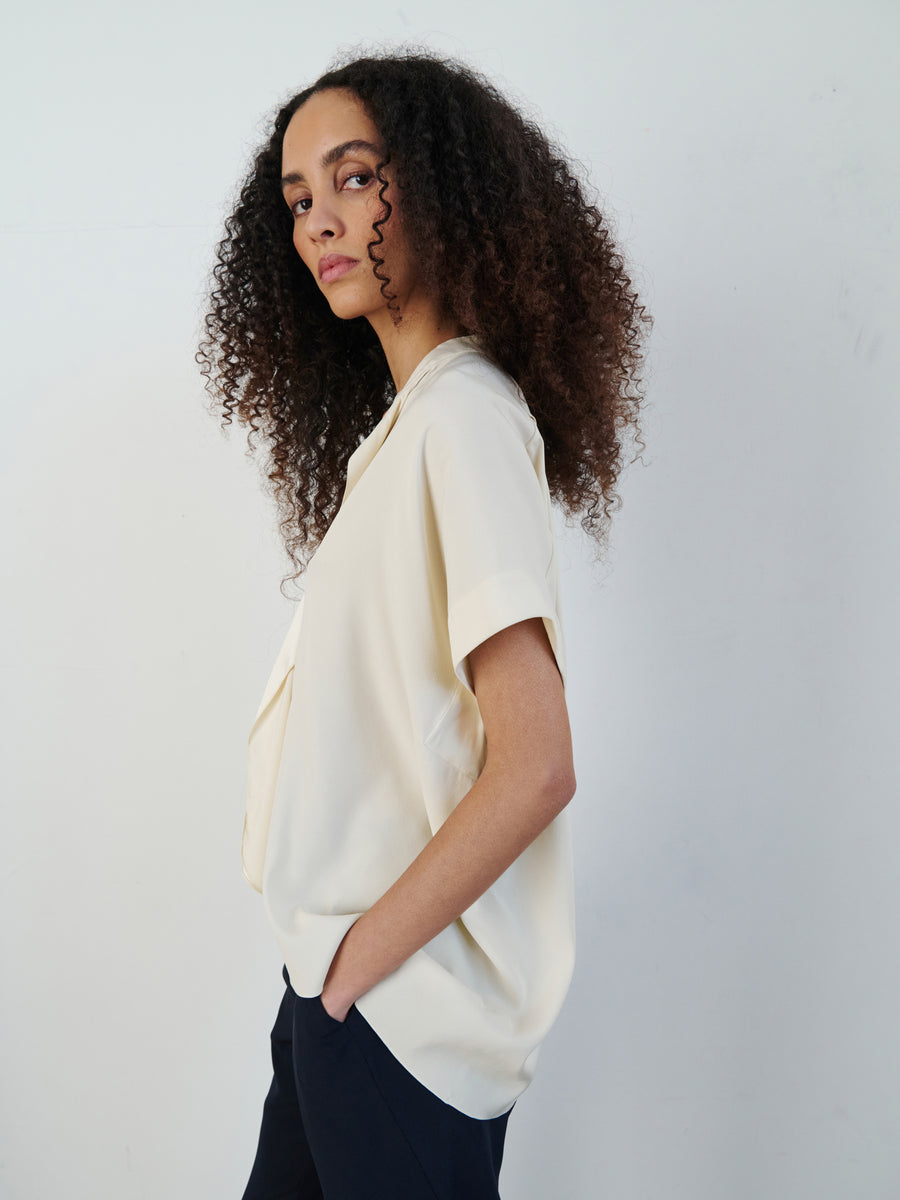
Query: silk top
(369,732)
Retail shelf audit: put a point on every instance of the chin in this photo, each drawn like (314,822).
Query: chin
(346,306)
(347,312)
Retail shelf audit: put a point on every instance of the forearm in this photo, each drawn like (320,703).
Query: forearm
(499,816)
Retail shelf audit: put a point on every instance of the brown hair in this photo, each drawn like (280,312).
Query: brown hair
(512,250)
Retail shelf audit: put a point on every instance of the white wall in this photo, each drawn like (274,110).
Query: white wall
(731,1028)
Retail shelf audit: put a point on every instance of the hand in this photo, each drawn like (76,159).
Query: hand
(339,1013)
(335,999)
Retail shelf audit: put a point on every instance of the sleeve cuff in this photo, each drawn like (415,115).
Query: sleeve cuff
(501,600)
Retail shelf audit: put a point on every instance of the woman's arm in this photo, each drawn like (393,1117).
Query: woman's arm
(528,778)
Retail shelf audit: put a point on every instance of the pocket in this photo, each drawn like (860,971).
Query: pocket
(324,1017)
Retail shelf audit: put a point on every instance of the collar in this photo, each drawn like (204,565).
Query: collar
(435,359)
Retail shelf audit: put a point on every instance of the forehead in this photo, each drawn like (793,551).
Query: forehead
(324,120)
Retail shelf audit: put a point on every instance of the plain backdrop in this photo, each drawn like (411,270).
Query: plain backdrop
(731,1029)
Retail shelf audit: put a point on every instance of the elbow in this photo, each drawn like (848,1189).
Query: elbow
(560,786)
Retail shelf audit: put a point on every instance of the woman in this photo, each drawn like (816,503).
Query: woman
(410,263)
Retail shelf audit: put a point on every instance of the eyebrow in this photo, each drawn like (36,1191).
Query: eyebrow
(330,157)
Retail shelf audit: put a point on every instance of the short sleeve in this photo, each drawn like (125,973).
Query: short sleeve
(494,542)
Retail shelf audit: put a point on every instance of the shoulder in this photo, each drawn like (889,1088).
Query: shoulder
(479,443)
(470,397)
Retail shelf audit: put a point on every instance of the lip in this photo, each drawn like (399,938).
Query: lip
(333,266)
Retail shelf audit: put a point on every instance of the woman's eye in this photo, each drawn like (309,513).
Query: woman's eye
(304,204)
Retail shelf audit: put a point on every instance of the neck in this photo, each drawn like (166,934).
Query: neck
(406,344)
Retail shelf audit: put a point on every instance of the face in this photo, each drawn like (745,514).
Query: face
(331,188)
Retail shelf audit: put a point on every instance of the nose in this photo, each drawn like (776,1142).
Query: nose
(323,220)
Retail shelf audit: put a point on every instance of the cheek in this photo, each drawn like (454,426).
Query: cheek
(376,211)
(303,250)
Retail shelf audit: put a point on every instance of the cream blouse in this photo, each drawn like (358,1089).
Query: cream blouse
(369,732)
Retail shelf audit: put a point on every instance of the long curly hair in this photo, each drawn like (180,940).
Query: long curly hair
(511,248)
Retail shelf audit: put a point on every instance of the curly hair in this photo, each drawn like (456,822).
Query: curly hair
(510,247)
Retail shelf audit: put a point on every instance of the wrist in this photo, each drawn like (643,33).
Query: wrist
(339,986)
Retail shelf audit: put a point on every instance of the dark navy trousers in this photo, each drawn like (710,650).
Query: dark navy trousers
(344,1120)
